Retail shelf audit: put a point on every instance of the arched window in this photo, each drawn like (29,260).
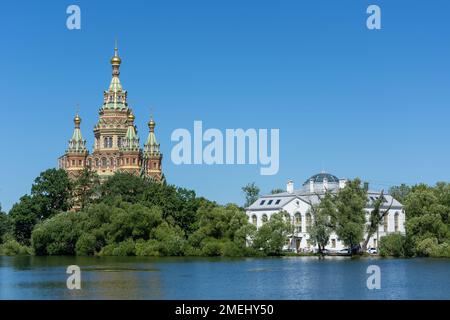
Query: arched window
(396,221)
(264,218)
(308,221)
(298,222)
(254,219)
(104,162)
(385,223)
(298,218)
(97,163)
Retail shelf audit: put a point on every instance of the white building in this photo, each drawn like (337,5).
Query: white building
(297,204)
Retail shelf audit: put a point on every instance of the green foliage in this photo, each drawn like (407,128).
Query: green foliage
(394,245)
(400,192)
(127,186)
(86,188)
(6,225)
(276,191)
(53,189)
(12,248)
(25,214)
(321,228)
(271,237)
(350,218)
(251,192)
(57,235)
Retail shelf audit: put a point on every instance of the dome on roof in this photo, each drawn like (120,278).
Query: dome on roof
(318,178)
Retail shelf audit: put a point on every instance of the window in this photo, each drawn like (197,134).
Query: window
(278,201)
(396,221)
(104,162)
(308,221)
(262,202)
(298,218)
(80,162)
(119,142)
(385,223)
(254,220)
(264,218)
(270,202)
(107,142)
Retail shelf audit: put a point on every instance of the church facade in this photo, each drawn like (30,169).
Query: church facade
(296,205)
(116,143)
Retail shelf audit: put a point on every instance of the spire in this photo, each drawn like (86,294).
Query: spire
(131,141)
(151,146)
(115,97)
(115,85)
(77,144)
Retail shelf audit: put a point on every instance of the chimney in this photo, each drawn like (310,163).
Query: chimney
(366,186)
(311,185)
(290,187)
(342,183)
(325,184)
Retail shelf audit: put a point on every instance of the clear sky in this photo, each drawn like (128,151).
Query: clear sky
(354,102)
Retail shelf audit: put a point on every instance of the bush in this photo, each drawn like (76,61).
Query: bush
(86,245)
(125,248)
(148,248)
(12,247)
(393,245)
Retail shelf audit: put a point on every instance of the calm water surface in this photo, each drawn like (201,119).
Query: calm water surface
(293,278)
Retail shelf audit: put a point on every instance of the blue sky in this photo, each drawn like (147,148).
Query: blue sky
(354,102)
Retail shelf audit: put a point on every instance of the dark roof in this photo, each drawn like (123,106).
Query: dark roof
(318,178)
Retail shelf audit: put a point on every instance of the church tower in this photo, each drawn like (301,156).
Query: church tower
(74,159)
(152,156)
(116,143)
(112,126)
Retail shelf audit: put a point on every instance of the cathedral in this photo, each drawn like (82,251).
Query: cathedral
(116,147)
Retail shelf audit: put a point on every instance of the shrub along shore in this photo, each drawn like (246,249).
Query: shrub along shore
(131,216)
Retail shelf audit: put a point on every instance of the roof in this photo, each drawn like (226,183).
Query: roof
(318,178)
(263,203)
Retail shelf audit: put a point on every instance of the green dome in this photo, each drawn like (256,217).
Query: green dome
(318,178)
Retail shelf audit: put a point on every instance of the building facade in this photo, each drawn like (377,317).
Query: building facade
(297,206)
(116,142)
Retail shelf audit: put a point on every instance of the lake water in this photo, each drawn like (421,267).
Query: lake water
(291,278)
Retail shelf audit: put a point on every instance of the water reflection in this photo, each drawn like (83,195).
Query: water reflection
(293,278)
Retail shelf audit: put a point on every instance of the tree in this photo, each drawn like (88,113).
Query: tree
(6,225)
(127,186)
(25,214)
(276,191)
(53,190)
(85,188)
(222,230)
(321,227)
(350,218)
(376,217)
(272,235)
(251,192)
(400,192)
